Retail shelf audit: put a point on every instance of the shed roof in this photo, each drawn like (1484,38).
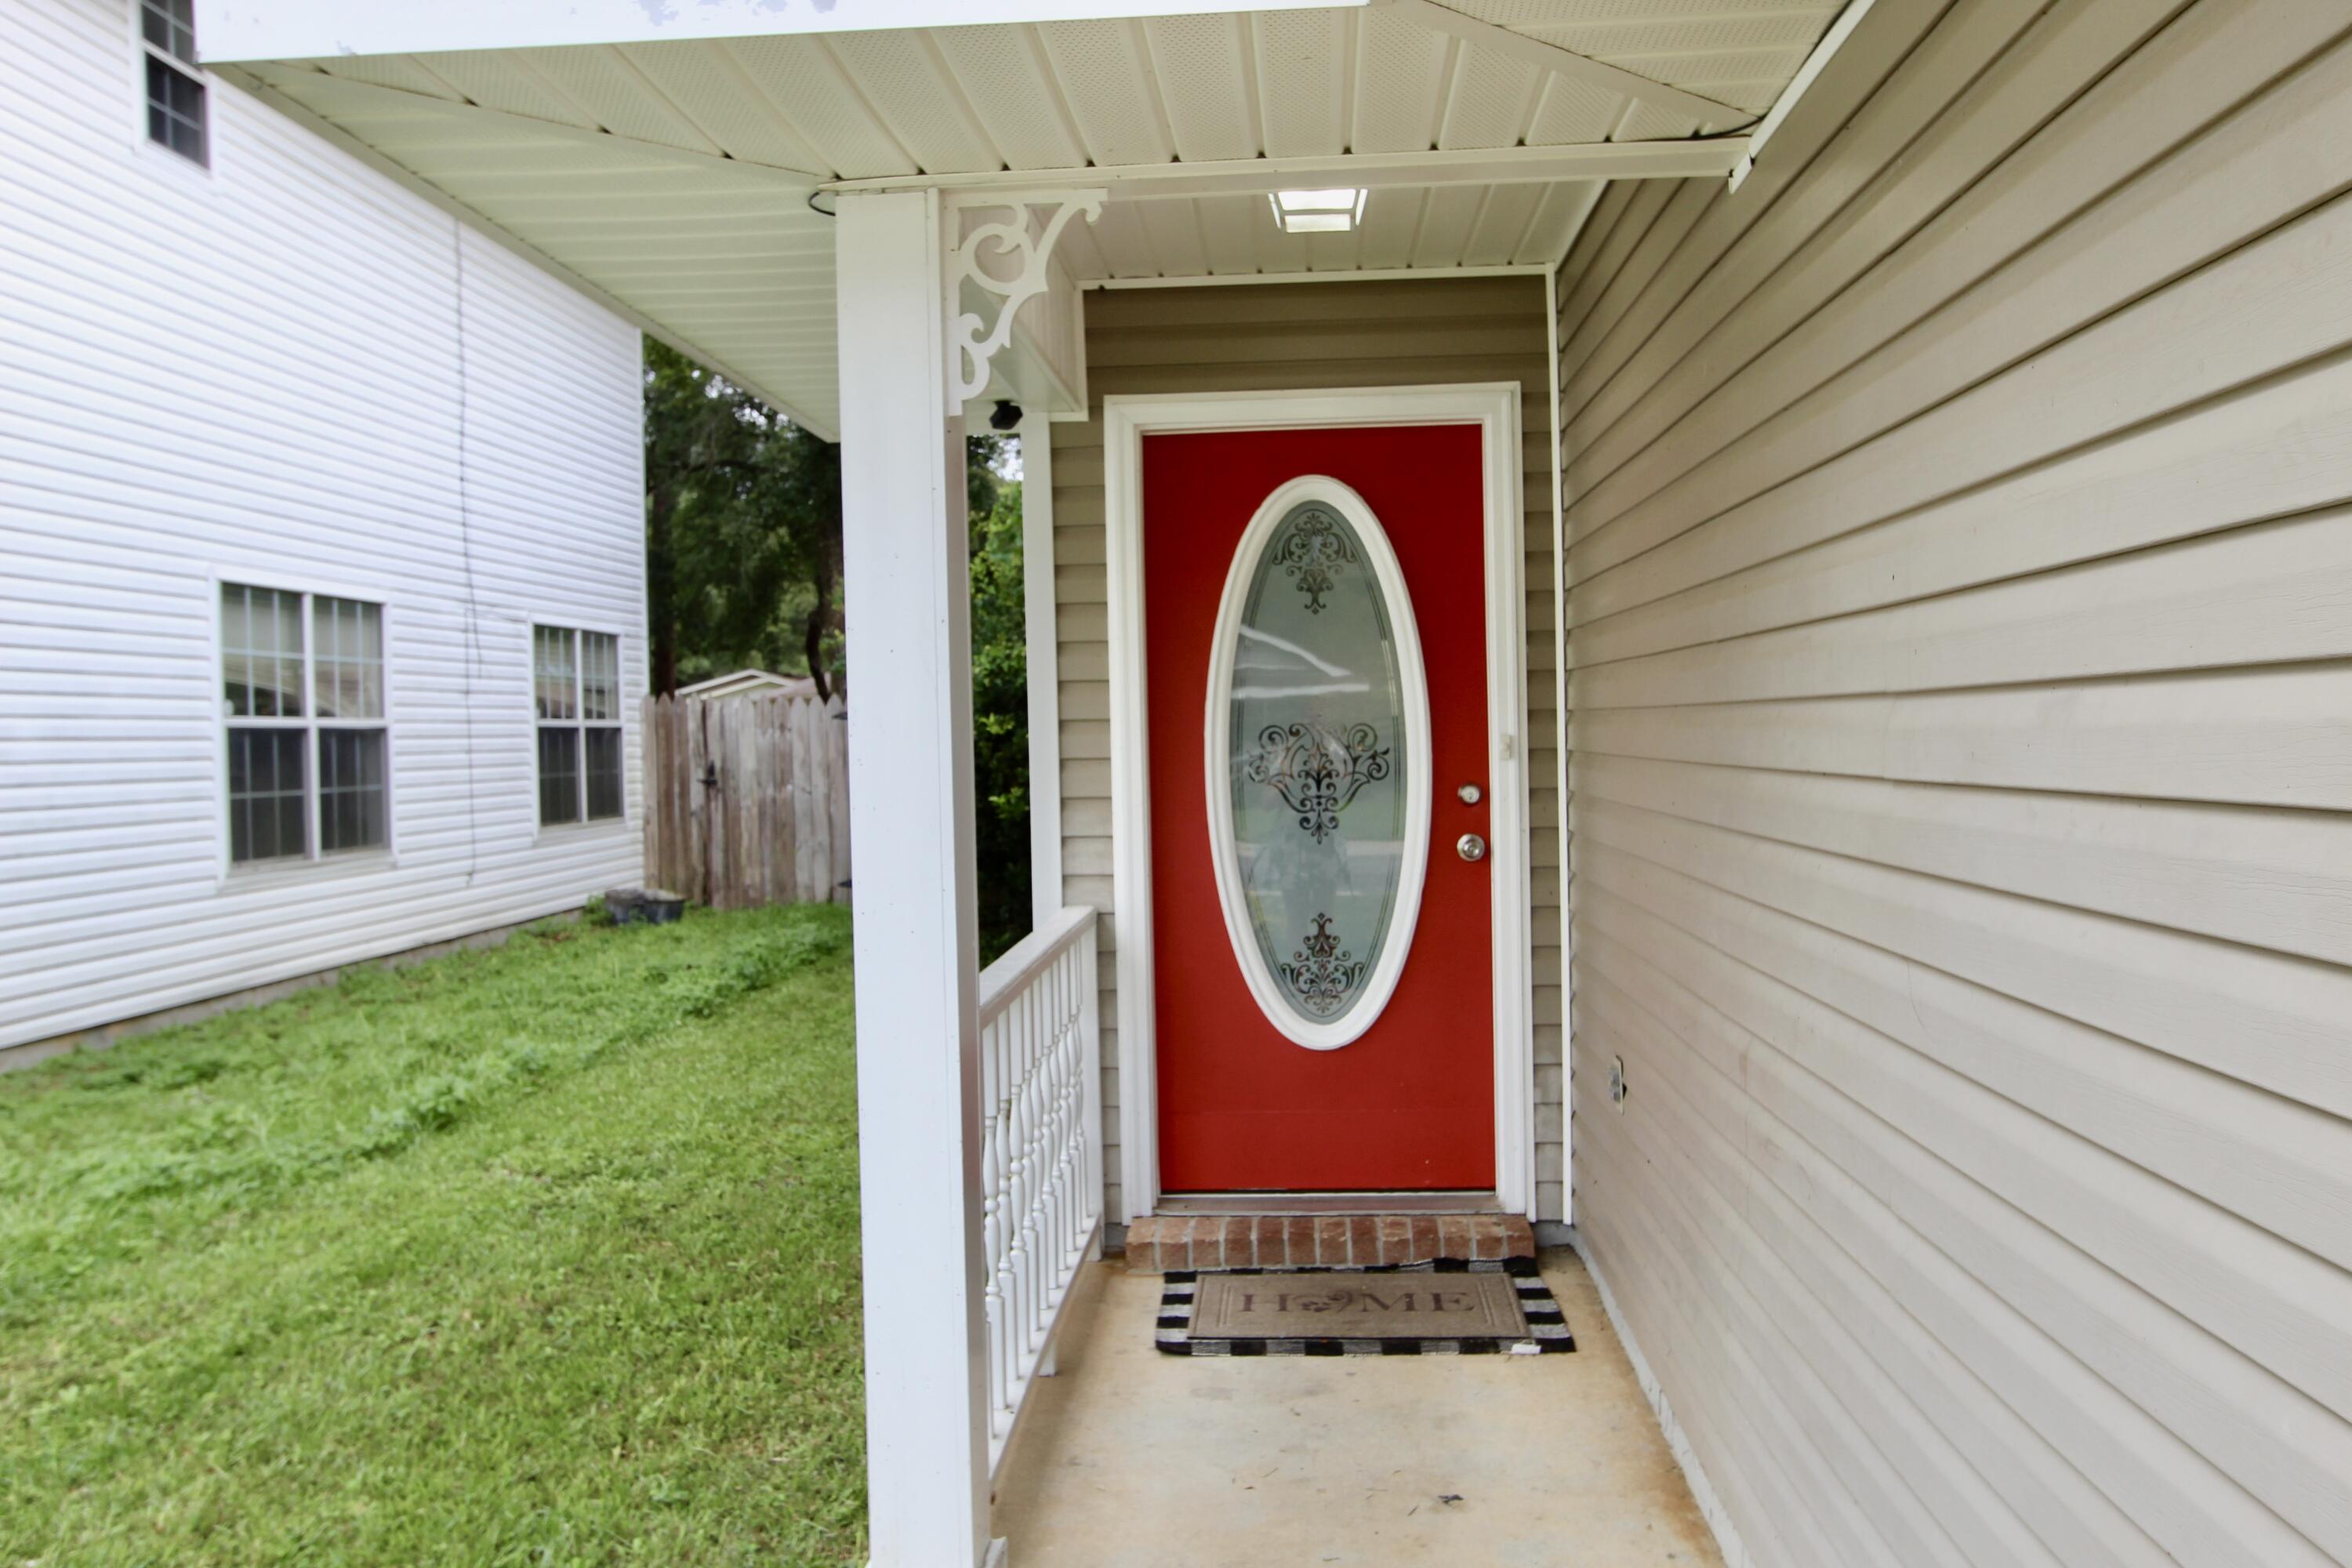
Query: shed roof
(741,682)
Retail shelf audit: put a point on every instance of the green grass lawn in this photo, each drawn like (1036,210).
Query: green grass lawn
(541,1254)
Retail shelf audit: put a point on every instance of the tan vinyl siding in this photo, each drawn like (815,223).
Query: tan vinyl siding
(1960,616)
(1302,336)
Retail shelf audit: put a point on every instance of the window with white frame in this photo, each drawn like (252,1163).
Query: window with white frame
(176,115)
(576,692)
(308,747)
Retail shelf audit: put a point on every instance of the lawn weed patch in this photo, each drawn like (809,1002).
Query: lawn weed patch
(543,1254)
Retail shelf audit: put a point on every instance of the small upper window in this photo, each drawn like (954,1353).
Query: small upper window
(576,694)
(175,90)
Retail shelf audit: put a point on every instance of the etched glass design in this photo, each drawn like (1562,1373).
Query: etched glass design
(1316,724)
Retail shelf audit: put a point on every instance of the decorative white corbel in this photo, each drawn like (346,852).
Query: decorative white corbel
(969,349)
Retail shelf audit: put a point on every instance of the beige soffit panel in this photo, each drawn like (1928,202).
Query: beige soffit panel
(669,176)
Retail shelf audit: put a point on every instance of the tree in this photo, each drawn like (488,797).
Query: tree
(742,530)
(743,568)
(1000,719)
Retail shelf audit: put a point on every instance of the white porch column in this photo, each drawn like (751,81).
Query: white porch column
(905,566)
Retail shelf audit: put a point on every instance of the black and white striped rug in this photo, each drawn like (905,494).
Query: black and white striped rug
(1546,1330)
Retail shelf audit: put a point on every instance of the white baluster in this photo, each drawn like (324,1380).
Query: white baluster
(1017,1138)
(1065,1073)
(1033,1184)
(1009,1266)
(1065,1056)
(1041,1166)
(992,1214)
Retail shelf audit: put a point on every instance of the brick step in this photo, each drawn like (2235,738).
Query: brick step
(1298,1241)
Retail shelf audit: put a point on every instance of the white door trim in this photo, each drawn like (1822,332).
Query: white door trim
(1494,406)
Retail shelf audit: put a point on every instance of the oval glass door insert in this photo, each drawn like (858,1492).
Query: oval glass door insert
(1317,746)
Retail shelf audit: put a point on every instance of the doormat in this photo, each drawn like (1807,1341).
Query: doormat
(1449,1307)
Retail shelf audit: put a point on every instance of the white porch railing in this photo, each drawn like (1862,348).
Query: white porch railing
(1041,1148)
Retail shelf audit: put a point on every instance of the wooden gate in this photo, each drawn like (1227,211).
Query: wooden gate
(747,800)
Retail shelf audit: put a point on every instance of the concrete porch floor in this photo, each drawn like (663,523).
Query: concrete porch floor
(1137,1459)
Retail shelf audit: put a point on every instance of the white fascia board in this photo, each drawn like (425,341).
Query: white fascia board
(1799,85)
(313,29)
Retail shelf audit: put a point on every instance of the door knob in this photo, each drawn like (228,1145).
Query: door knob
(1470,846)
(1470,795)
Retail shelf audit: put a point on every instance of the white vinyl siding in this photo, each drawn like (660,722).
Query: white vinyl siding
(295,374)
(1228,338)
(1960,619)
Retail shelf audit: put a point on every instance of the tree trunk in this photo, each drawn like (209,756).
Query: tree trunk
(820,615)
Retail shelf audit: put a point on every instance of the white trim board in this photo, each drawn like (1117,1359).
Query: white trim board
(1559,589)
(1666,160)
(1043,669)
(307,29)
(1494,406)
(1359,275)
(1824,51)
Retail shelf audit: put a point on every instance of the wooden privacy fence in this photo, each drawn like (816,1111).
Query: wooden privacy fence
(747,800)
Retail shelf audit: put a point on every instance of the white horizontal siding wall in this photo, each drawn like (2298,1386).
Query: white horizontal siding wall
(290,371)
(1961,618)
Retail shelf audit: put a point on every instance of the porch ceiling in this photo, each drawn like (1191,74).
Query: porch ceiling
(672,177)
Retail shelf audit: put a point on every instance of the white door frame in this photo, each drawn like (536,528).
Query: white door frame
(1493,407)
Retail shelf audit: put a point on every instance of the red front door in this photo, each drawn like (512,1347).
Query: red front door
(1324,795)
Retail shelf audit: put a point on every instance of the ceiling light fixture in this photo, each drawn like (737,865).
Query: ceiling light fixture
(1317,212)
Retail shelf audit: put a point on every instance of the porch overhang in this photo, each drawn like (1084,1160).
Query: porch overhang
(678,162)
(291,30)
